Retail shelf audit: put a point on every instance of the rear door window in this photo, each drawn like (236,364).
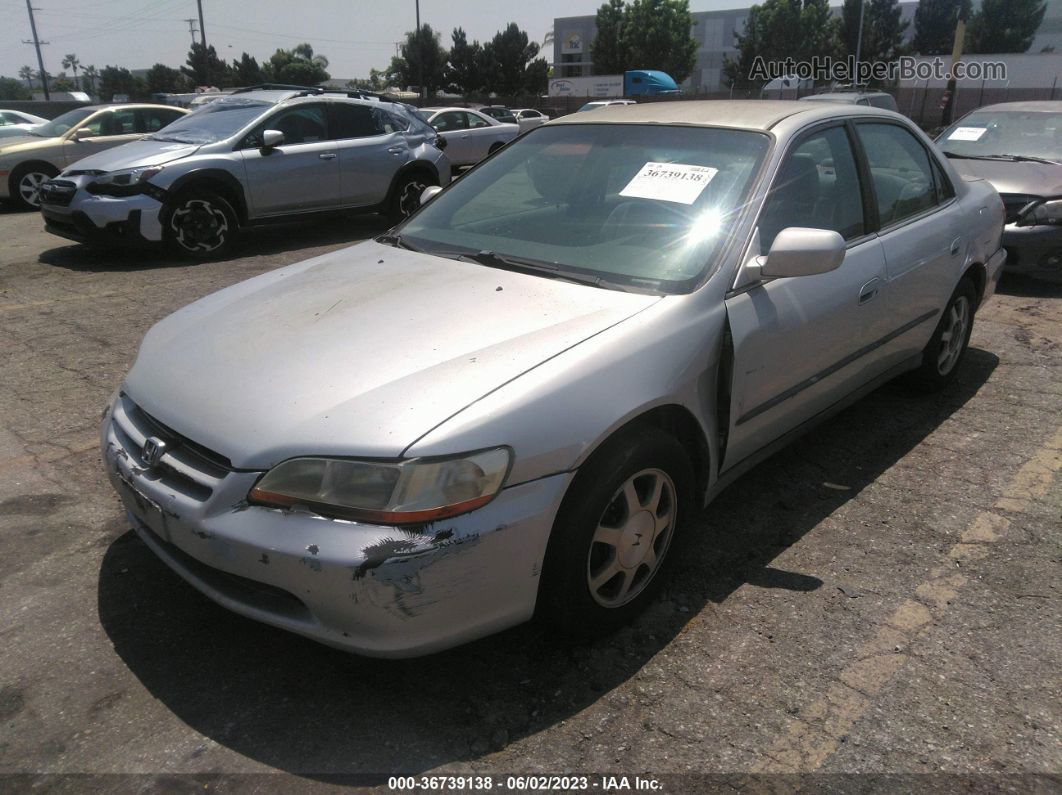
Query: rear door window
(451,120)
(900,171)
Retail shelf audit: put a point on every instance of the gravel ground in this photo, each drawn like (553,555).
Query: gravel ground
(881,599)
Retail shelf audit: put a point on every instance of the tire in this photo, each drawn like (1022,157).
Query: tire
(943,354)
(25,184)
(494,147)
(405,198)
(200,224)
(598,573)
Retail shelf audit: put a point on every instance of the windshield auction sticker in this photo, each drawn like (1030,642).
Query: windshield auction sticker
(669,182)
(967,134)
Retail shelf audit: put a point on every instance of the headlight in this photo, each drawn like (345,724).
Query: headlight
(131,176)
(1045,212)
(406,492)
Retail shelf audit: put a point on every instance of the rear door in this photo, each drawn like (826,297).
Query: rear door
(372,148)
(299,175)
(921,230)
(802,343)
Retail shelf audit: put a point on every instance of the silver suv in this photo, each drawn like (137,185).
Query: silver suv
(249,158)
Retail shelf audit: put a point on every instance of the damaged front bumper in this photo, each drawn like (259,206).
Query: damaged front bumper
(376,590)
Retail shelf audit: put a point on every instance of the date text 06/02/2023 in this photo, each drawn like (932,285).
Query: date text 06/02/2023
(525,783)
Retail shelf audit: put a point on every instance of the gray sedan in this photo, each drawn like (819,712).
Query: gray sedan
(516,401)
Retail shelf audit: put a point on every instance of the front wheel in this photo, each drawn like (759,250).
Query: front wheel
(201,225)
(947,347)
(405,200)
(25,185)
(616,532)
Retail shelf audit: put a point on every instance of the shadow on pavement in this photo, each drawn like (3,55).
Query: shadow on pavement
(253,242)
(1024,286)
(300,707)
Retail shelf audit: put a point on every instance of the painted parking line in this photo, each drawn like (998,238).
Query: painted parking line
(810,739)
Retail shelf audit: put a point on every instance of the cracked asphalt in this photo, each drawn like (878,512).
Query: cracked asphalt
(881,599)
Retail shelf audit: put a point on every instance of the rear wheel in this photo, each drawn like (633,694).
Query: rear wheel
(26,181)
(616,533)
(405,200)
(201,225)
(947,347)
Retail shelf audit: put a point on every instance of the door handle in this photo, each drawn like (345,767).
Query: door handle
(327,155)
(868,291)
(956,245)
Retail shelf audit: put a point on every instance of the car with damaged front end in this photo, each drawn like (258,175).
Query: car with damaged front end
(516,401)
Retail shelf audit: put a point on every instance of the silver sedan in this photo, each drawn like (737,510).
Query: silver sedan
(470,136)
(516,401)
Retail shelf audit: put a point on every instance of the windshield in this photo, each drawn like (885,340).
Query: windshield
(640,206)
(215,121)
(62,124)
(1013,133)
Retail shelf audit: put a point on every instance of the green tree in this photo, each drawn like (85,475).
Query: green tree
(507,57)
(376,81)
(465,72)
(656,34)
(71,62)
(162,79)
(1005,25)
(118,80)
(883,29)
(62,83)
(536,77)
(420,45)
(247,72)
(204,68)
(26,73)
(780,29)
(934,25)
(91,75)
(298,66)
(609,50)
(10,88)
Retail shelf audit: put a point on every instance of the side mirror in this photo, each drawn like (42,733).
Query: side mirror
(800,251)
(440,142)
(429,193)
(272,138)
(84,132)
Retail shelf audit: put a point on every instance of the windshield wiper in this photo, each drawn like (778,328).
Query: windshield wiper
(396,240)
(1008,158)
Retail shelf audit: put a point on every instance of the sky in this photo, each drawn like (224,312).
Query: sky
(355,35)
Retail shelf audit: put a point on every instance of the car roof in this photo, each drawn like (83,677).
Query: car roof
(112,105)
(746,114)
(1029,106)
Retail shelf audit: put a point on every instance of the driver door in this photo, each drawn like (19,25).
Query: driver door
(802,343)
(105,129)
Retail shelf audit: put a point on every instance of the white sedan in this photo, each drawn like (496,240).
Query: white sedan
(470,135)
(529,118)
(19,120)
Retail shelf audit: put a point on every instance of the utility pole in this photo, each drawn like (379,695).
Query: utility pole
(191,28)
(420,55)
(859,41)
(37,43)
(202,27)
(956,56)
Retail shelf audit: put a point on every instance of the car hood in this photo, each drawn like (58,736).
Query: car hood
(135,154)
(359,352)
(1035,179)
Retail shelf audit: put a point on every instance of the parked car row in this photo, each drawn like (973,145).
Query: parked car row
(514,402)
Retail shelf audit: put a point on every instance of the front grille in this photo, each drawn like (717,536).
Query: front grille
(185,467)
(58,192)
(1014,202)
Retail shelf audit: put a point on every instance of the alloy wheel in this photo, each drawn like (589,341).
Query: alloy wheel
(953,337)
(29,187)
(631,538)
(199,226)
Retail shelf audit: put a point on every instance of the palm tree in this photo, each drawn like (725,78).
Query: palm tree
(91,76)
(26,73)
(71,62)
(547,40)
